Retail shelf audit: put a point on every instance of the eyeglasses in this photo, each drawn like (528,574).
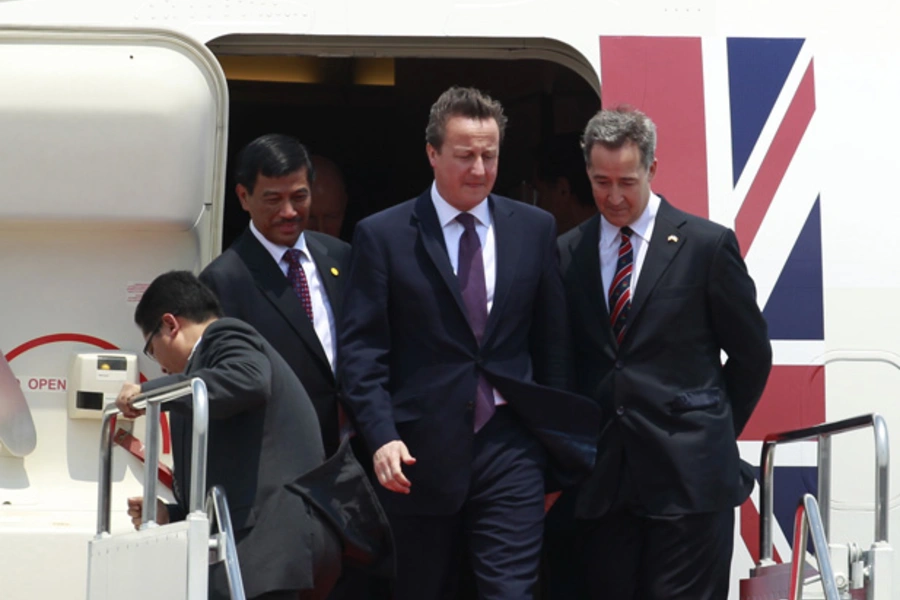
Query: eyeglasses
(148,351)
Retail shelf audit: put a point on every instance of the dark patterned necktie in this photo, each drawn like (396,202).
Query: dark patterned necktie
(298,281)
(470,272)
(620,289)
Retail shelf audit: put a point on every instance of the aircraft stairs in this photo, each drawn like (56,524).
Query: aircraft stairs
(845,571)
(168,561)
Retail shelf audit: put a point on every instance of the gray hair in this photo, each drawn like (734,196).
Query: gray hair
(614,128)
(461,102)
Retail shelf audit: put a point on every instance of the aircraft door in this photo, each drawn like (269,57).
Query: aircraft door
(112,156)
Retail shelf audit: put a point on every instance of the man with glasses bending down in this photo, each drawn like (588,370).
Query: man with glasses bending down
(264,441)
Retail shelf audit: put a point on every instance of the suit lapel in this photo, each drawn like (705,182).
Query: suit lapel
(506,258)
(586,252)
(586,257)
(665,243)
(276,288)
(432,237)
(329,273)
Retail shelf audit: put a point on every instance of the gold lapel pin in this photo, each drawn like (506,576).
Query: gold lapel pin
(673,239)
(335,272)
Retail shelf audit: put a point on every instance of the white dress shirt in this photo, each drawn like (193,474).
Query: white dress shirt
(611,239)
(323,316)
(194,349)
(453,230)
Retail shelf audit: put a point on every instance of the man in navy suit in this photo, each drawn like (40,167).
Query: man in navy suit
(453,338)
(658,295)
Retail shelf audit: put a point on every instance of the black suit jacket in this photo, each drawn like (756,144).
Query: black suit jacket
(263,434)
(410,362)
(264,448)
(251,287)
(672,409)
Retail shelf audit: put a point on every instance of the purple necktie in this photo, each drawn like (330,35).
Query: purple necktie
(470,272)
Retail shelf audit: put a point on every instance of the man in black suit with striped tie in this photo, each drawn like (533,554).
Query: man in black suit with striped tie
(656,296)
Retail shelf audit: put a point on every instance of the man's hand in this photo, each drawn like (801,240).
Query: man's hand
(387,462)
(123,401)
(136,511)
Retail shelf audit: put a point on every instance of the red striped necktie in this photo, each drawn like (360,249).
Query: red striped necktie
(620,290)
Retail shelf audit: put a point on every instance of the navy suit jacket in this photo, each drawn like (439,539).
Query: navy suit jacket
(410,361)
(251,287)
(672,409)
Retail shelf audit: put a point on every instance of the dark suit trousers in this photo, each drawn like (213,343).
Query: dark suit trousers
(630,556)
(500,524)
(562,576)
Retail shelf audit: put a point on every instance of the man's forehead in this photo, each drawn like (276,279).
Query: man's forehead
(605,157)
(475,143)
(301,174)
(280,187)
(467,124)
(618,170)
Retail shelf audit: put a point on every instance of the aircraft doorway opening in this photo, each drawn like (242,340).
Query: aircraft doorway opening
(368,115)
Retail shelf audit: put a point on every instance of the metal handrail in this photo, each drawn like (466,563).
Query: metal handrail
(806,519)
(218,513)
(151,401)
(822,434)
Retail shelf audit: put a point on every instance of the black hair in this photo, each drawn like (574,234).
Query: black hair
(272,155)
(179,293)
(561,156)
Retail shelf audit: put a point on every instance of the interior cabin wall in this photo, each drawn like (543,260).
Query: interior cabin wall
(376,133)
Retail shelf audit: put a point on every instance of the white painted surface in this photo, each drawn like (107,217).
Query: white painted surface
(112,156)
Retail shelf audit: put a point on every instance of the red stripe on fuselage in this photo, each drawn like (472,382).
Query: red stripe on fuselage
(663,77)
(775,164)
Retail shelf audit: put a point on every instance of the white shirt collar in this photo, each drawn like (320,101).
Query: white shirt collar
(277,251)
(194,349)
(609,233)
(447,213)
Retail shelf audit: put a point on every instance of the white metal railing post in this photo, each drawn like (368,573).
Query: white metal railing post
(150,401)
(808,520)
(217,509)
(823,434)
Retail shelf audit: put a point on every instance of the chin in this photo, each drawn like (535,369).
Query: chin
(619,220)
(288,240)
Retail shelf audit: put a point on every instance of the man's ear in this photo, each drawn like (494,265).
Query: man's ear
(432,153)
(652,170)
(243,194)
(171,325)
